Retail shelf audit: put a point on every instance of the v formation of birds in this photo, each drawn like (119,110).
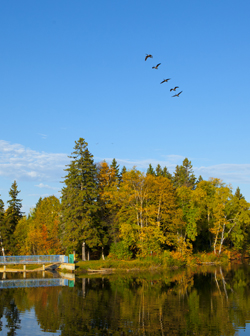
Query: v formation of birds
(164,80)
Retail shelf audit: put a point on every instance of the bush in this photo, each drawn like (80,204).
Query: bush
(120,251)
(171,259)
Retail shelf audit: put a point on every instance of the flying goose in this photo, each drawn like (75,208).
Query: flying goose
(165,80)
(176,87)
(148,56)
(177,95)
(156,67)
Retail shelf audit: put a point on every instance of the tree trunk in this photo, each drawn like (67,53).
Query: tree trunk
(83,252)
(88,255)
(103,258)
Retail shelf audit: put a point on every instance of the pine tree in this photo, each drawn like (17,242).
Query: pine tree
(124,170)
(166,173)
(158,170)
(184,176)
(2,223)
(115,166)
(150,170)
(238,194)
(13,215)
(200,179)
(79,200)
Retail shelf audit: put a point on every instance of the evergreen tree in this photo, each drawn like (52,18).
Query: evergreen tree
(166,173)
(13,215)
(124,170)
(200,179)
(115,166)
(158,170)
(38,203)
(184,176)
(238,194)
(79,200)
(1,222)
(150,170)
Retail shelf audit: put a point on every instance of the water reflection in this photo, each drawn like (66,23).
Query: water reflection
(203,301)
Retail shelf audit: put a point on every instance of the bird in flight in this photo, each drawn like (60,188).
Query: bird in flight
(156,67)
(176,87)
(165,80)
(177,95)
(148,56)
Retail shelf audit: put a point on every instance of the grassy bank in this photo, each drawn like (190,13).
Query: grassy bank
(166,260)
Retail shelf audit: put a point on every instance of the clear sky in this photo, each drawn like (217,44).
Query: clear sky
(71,69)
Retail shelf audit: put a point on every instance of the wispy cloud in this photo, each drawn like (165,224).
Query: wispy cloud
(22,163)
(45,186)
(44,136)
(19,162)
(235,173)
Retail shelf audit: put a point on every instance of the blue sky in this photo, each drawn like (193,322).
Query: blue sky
(71,69)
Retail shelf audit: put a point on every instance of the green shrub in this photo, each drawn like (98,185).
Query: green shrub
(119,251)
(171,259)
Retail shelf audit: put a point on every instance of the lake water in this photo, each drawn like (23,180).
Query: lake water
(200,301)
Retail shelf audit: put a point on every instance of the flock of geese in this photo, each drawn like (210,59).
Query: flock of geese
(164,80)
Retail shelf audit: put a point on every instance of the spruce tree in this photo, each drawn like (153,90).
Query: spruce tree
(115,166)
(13,215)
(238,194)
(79,200)
(124,170)
(2,223)
(158,170)
(150,170)
(166,173)
(184,176)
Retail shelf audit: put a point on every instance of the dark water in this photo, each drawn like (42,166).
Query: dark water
(201,301)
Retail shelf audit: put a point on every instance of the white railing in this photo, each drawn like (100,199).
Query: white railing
(33,259)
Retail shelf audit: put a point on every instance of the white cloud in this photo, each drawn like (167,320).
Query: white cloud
(233,173)
(25,164)
(46,186)
(175,158)
(19,162)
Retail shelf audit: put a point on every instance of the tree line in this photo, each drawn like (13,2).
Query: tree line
(127,213)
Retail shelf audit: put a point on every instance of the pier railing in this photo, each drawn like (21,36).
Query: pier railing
(33,259)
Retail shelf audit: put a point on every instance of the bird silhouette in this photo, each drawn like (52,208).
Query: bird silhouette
(177,95)
(174,89)
(165,80)
(148,56)
(156,67)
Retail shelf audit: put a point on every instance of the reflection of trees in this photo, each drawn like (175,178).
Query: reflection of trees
(9,309)
(205,301)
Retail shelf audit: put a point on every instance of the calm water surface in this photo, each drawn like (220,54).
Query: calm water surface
(200,301)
